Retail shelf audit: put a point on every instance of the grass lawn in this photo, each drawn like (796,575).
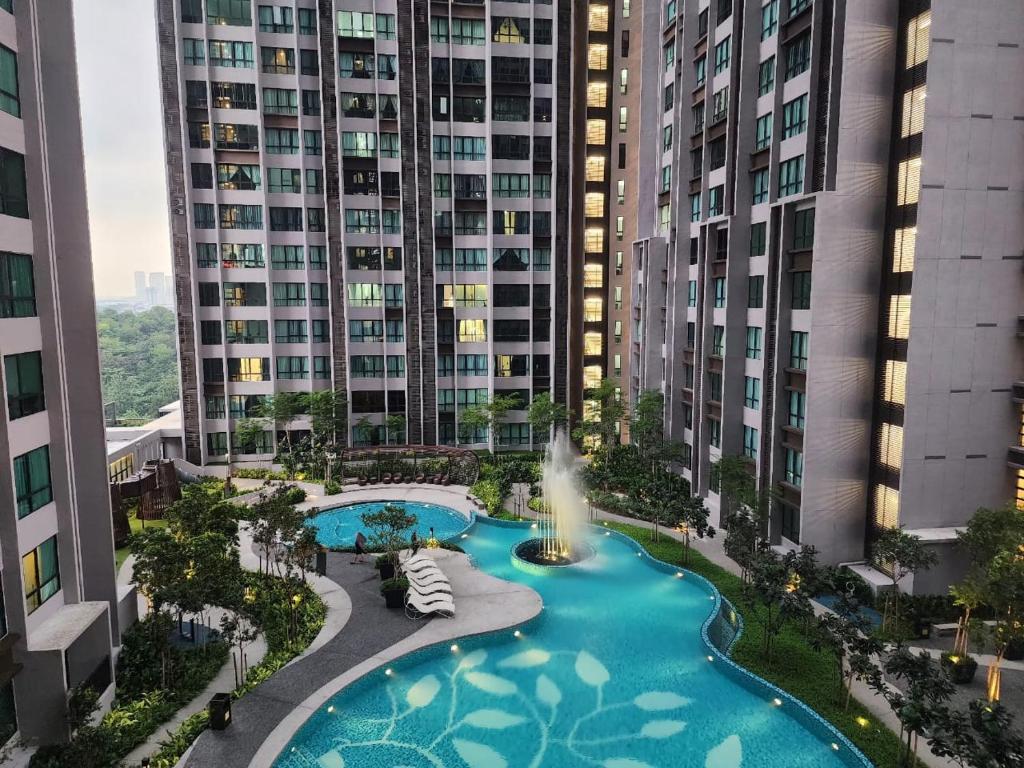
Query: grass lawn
(796,667)
(120,555)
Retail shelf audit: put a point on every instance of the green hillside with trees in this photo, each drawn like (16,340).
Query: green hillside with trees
(138,361)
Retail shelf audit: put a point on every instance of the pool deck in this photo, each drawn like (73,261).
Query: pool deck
(358,638)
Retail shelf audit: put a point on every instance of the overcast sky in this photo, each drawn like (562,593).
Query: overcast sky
(121,122)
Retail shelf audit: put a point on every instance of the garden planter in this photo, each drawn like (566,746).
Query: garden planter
(1014,650)
(394,598)
(387,571)
(960,669)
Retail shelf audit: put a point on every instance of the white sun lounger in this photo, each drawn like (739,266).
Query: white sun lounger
(431,586)
(417,606)
(419,565)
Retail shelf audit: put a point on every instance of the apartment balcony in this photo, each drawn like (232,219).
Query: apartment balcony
(1018,392)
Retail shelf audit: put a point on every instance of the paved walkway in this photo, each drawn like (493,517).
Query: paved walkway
(266,718)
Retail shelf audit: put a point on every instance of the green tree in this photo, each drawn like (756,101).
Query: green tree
(776,592)
(275,523)
(138,360)
(982,737)
(1005,593)
(919,703)
(328,417)
(388,527)
(394,428)
(545,414)
(694,520)
(903,554)
(247,436)
(472,419)
(201,510)
(647,426)
(602,414)
(280,410)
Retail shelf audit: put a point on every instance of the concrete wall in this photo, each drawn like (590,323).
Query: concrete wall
(968,287)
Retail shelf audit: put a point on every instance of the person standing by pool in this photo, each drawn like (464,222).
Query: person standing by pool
(360,547)
(414,543)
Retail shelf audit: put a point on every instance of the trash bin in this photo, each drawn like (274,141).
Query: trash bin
(220,711)
(321,562)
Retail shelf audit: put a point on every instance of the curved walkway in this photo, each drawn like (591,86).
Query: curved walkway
(265,719)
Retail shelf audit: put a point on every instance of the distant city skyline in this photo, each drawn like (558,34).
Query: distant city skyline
(121,127)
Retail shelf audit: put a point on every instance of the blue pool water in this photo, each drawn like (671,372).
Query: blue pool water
(338,526)
(612,674)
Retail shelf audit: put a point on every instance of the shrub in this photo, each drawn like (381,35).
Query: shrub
(400,583)
(490,493)
(295,495)
(332,488)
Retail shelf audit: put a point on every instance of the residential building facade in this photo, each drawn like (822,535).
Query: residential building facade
(58,616)
(369,197)
(816,196)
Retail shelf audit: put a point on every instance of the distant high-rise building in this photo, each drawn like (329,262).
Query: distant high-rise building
(141,287)
(375,200)
(58,614)
(798,195)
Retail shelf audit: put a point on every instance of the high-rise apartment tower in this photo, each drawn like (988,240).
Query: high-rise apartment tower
(815,169)
(58,615)
(370,197)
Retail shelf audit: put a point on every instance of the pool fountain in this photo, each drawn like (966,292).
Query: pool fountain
(560,525)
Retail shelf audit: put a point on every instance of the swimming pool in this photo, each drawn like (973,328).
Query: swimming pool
(613,673)
(338,526)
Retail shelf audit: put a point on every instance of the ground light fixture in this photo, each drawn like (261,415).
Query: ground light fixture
(862,721)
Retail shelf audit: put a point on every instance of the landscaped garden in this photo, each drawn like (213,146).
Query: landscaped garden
(188,566)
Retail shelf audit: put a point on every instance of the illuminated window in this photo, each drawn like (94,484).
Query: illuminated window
(592,375)
(595,131)
(593,276)
(597,56)
(592,343)
(593,309)
(593,240)
(913,111)
(598,18)
(887,506)
(917,39)
(894,382)
(593,204)
(899,316)
(1020,489)
(890,445)
(595,168)
(623,80)
(472,330)
(903,249)
(510,30)
(597,94)
(908,181)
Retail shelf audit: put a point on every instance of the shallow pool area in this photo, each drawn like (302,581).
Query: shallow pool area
(613,673)
(338,526)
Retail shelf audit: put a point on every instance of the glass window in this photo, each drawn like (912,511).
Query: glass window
(803,229)
(722,55)
(9,97)
(791,176)
(13,191)
(798,350)
(908,181)
(794,467)
(32,483)
(41,574)
(755,292)
(237,13)
(766,76)
(794,117)
(918,39)
(797,408)
(17,285)
(751,392)
(750,442)
(753,343)
(758,238)
(760,186)
(769,19)
(801,290)
(24,375)
(798,55)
